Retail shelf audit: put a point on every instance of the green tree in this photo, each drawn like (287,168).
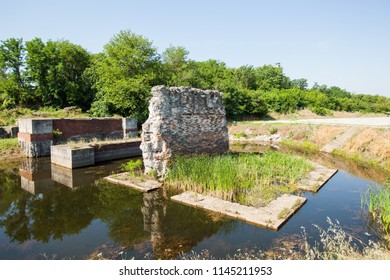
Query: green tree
(125,72)
(13,88)
(57,71)
(299,83)
(271,77)
(175,63)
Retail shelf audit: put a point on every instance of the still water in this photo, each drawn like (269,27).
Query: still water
(49,212)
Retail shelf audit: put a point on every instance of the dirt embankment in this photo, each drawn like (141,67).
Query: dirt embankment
(363,143)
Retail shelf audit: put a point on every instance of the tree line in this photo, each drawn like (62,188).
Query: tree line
(118,80)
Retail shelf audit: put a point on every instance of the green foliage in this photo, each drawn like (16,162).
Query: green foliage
(56,69)
(134,167)
(118,80)
(125,72)
(302,146)
(9,146)
(273,130)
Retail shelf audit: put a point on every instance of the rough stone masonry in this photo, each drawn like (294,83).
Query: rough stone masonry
(183,121)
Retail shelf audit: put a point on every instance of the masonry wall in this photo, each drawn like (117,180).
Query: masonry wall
(183,121)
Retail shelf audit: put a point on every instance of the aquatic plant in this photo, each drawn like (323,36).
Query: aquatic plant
(247,178)
(378,201)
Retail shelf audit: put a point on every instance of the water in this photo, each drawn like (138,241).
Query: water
(48,212)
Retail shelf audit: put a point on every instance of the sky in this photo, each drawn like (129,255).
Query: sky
(333,42)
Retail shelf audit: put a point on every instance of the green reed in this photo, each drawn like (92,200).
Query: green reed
(379,205)
(249,178)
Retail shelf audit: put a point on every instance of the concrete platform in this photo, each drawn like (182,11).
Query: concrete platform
(71,156)
(316,178)
(136,183)
(271,216)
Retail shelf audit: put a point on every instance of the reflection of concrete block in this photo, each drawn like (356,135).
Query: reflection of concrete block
(66,156)
(72,178)
(37,187)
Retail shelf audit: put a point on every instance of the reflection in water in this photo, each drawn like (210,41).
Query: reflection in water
(44,211)
(35,175)
(71,214)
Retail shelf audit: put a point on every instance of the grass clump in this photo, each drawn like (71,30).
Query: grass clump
(378,201)
(302,146)
(240,135)
(246,178)
(284,213)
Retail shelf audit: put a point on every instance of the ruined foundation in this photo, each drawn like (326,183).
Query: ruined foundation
(36,136)
(183,121)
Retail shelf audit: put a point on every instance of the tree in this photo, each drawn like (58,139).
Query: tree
(125,72)
(56,70)
(271,77)
(175,63)
(12,81)
(246,77)
(299,83)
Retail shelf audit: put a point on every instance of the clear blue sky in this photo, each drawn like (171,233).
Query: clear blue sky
(342,43)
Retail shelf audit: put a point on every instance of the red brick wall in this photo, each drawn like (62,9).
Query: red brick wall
(80,127)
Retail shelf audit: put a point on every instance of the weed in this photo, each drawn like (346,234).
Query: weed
(302,146)
(240,135)
(272,130)
(133,167)
(283,214)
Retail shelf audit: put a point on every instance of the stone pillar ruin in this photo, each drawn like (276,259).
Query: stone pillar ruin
(183,121)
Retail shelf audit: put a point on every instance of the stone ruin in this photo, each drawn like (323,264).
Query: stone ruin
(182,121)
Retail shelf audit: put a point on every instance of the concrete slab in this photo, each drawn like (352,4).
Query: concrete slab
(271,216)
(137,183)
(316,178)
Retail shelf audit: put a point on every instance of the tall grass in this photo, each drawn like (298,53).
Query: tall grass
(247,178)
(379,205)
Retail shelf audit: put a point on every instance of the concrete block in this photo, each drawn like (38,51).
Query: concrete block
(117,154)
(35,126)
(130,129)
(69,157)
(36,149)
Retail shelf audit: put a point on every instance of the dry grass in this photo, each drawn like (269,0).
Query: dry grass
(373,143)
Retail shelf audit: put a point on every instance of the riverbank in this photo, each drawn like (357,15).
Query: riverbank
(367,145)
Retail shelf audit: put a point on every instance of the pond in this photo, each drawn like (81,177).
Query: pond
(49,212)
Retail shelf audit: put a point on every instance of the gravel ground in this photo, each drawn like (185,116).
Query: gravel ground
(374,122)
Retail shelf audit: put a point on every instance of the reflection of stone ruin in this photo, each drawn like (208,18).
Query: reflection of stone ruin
(183,121)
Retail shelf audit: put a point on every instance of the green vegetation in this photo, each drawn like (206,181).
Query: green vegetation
(246,178)
(379,205)
(302,146)
(358,158)
(118,80)
(9,116)
(272,130)
(240,135)
(9,146)
(133,167)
